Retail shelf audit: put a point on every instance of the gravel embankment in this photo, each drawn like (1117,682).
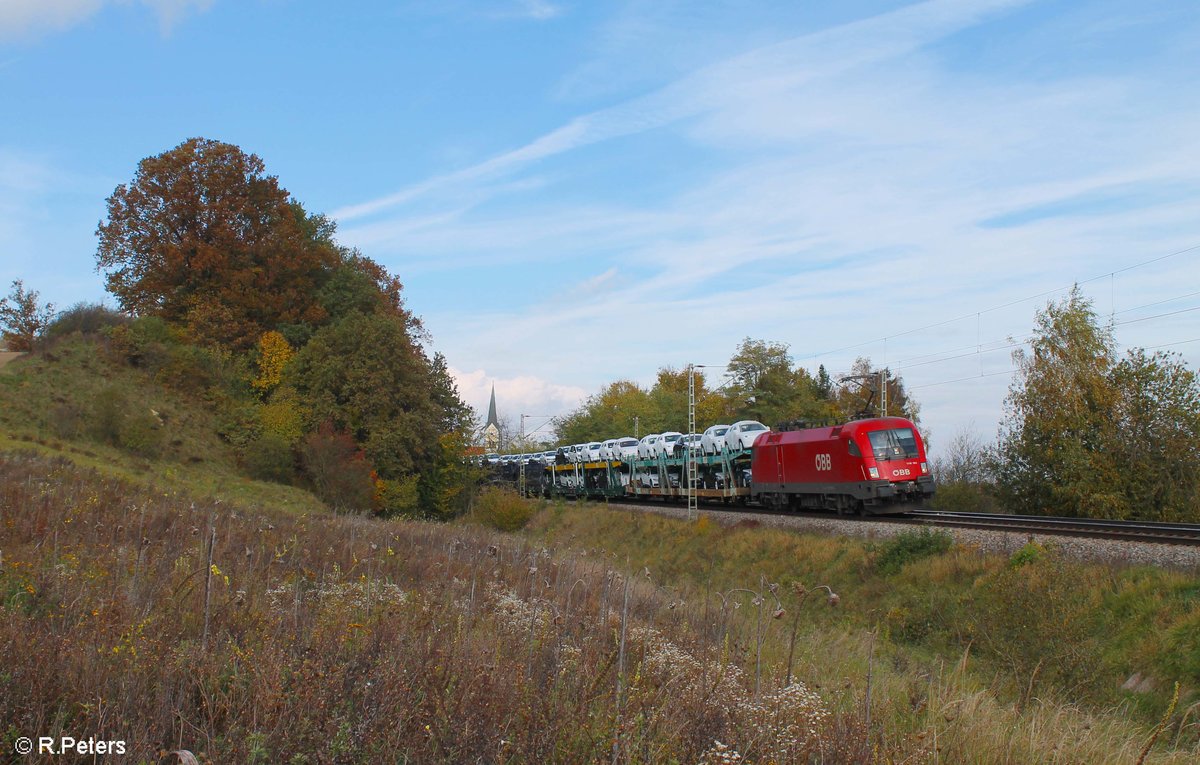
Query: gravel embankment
(1000,542)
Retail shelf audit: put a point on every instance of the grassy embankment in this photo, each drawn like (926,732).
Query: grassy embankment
(75,402)
(270,636)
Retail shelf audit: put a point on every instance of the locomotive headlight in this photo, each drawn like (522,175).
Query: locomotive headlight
(874,471)
(924,468)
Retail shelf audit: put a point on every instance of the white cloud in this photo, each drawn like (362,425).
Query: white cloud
(32,18)
(22,17)
(517,395)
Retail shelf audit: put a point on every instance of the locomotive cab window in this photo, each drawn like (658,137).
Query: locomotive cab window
(896,443)
(853,449)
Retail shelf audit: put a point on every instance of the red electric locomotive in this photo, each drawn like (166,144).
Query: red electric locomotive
(874,466)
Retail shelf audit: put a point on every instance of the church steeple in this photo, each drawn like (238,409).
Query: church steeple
(491,431)
(492,420)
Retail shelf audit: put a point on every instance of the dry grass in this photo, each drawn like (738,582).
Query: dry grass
(255,637)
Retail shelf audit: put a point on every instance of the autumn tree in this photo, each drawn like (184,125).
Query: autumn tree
(1054,455)
(22,318)
(274,353)
(203,237)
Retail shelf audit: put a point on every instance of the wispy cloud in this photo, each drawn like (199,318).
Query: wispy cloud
(21,19)
(539,9)
(489,10)
(774,68)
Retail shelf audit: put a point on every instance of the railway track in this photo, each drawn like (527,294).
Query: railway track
(1183,534)
(1127,531)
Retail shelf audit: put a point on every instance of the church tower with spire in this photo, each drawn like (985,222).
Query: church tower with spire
(491,431)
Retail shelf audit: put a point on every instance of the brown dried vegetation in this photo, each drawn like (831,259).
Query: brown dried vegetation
(249,635)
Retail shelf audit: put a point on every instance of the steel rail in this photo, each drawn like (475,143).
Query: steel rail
(1184,534)
(1095,528)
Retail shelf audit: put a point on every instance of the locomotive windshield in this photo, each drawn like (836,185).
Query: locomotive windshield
(894,444)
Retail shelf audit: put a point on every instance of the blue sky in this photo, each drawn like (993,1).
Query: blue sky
(576,192)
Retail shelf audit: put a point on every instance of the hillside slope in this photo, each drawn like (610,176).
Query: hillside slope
(76,401)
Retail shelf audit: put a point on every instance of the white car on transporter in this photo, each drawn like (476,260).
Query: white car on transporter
(626,449)
(712,441)
(608,450)
(665,446)
(742,433)
(647,448)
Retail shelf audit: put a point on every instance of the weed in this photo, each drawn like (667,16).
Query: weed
(907,547)
(502,509)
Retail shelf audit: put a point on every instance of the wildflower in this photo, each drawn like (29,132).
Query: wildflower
(833,599)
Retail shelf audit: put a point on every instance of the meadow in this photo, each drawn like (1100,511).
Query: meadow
(246,634)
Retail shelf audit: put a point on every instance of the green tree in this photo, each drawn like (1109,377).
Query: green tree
(456,416)
(1156,436)
(203,237)
(608,414)
(367,376)
(823,385)
(1053,454)
(766,387)
(22,318)
(445,488)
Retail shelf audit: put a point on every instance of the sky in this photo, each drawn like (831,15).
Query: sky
(579,192)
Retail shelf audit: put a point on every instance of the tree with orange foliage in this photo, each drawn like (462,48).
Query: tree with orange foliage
(203,237)
(22,318)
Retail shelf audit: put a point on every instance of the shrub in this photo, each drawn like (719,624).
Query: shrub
(911,546)
(65,421)
(86,319)
(1030,553)
(964,497)
(398,497)
(142,342)
(270,458)
(1039,621)
(502,509)
(238,422)
(281,416)
(141,433)
(339,471)
(108,412)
